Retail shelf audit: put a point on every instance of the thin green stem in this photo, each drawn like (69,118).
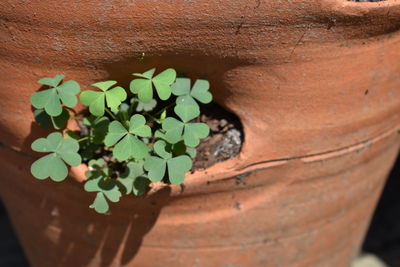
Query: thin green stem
(130,110)
(110,113)
(123,116)
(83,139)
(166,108)
(152,118)
(71,109)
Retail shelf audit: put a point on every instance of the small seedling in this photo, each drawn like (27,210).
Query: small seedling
(127,142)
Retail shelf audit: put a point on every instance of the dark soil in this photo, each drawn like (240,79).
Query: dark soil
(225,140)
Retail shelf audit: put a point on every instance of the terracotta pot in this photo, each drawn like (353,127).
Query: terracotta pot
(315,83)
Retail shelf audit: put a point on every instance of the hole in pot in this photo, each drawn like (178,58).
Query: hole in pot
(224,142)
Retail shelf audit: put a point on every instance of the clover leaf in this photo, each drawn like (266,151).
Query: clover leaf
(187,112)
(157,165)
(45,120)
(50,99)
(95,99)
(100,204)
(99,181)
(53,165)
(133,180)
(127,143)
(162,82)
(199,91)
(191,132)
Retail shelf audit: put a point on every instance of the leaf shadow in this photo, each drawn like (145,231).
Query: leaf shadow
(57,226)
(86,238)
(211,68)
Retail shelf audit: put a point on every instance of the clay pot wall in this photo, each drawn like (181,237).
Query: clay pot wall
(316,85)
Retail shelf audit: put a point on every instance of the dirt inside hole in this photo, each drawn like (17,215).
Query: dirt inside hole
(225,139)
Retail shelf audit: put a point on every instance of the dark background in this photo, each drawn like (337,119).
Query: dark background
(383,238)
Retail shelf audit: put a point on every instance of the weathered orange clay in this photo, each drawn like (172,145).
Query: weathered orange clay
(315,83)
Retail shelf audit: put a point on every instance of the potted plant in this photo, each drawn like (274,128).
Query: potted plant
(125,145)
(314,83)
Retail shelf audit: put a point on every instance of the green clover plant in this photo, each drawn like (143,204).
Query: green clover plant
(127,142)
(143,87)
(50,99)
(61,151)
(95,99)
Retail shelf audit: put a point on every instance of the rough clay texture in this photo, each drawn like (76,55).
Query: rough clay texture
(315,83)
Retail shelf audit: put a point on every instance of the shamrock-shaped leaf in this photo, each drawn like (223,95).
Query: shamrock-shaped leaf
(157,165)
(98,128)
(100,204)
(191,152)
(127,143)
(106,188)
(50,99)
(199,91)
(53,82)
(99,181)
(191,132)
(187,112)
(143,86)
(106,185)
(52,165)
(45,120)
(96,99)
(133,180)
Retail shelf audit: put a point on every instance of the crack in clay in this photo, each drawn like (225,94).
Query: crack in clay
(326,154)
(298,41)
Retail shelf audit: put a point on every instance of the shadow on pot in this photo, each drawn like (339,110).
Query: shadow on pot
(209,67)
(56,218)
(106,240)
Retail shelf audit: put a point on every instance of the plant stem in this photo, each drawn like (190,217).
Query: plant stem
(110,113)
(166,108)
(72,110)
(83,139)
(130,110)
(151,116)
